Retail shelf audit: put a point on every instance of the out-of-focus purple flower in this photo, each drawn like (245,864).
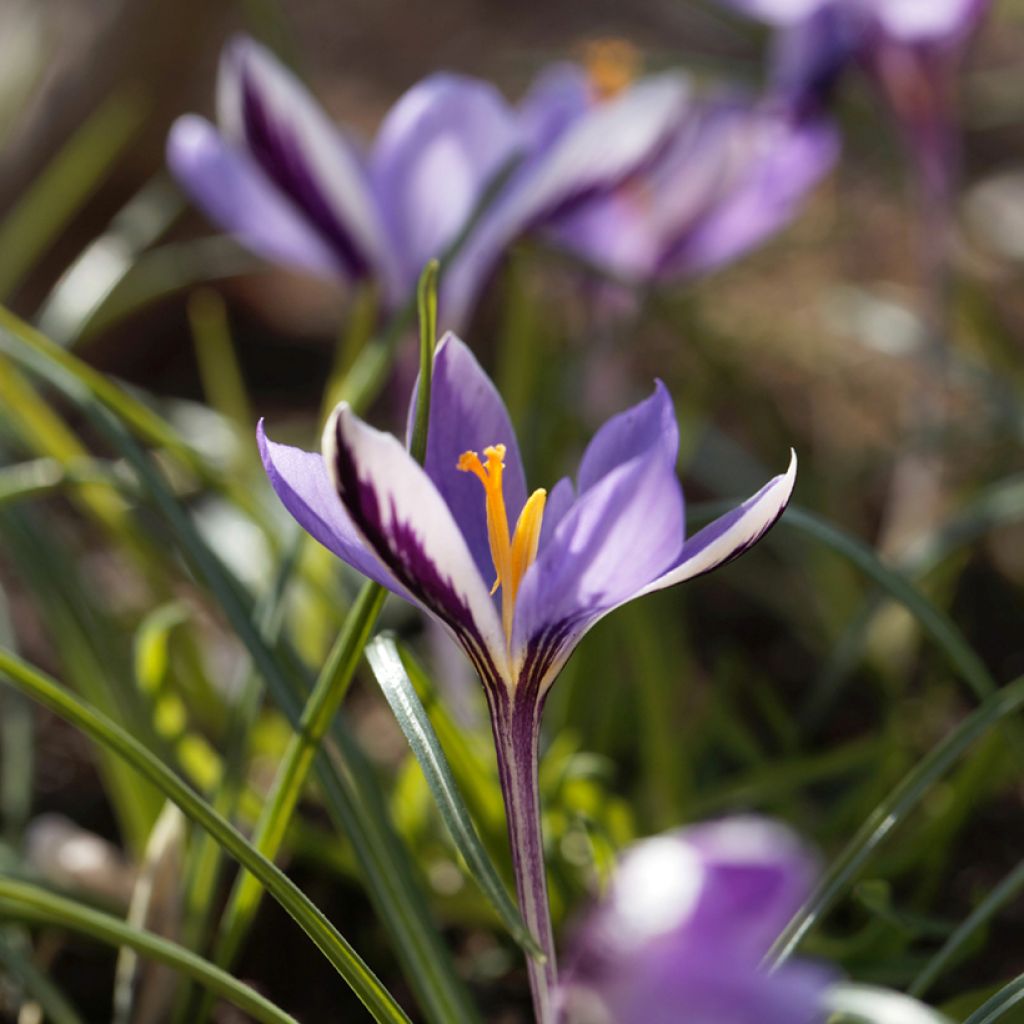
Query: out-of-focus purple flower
(297,189)
(733,173)
(680,935)
(450,534)
(909,47)
(730,174)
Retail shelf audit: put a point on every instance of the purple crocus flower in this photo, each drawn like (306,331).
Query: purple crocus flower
(681,933)
(450,534)
(298,190)
(910,48)
(733,173)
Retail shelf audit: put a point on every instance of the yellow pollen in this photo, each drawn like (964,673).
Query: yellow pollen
(612,65)
(512,555)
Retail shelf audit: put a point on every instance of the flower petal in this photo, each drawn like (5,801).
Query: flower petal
(404,520)
(732,534)
(559,95)
(437,150)
(561,498)
(236,194)
(468,414)
(782,12)
(681,933)
(265,109)
(646,427)
(597,152)
(915,21)
(302,483)
(777,161)
(620,534)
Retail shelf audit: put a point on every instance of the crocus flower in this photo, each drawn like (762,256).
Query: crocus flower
(298,190)
(734,172)
(680,936)
(517,579)
(910,48)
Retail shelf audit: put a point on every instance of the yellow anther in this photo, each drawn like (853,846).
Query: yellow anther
(512,556)
(612,65)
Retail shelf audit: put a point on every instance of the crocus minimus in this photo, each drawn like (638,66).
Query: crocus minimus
(292,186)
(516,579)
(682,932)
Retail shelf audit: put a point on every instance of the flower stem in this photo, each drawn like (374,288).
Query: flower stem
(516,725)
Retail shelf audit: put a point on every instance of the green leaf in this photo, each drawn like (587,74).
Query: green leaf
(112,737)
(386,662)
(893,810)
(21,901)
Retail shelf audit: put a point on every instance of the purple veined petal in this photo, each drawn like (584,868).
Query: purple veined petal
(782,12)
(618,535)
(468,414)
(647,427)
(236,195)
(919,21)
(732,534)
(597,152)
(262,107)
(779,162)
(301,481)
(402,517)
(558,97)
(437,150)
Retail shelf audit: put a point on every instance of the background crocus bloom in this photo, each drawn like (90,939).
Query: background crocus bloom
(733,172)
(516,581)
(681,933)
(295,188)
(909,47)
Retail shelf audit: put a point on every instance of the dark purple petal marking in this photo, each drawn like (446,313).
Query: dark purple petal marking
(730,535)
(278,151)
(391,531)
(301,481)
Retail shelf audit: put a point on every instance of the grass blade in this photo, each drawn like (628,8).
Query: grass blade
(893,810)
(386,662)
(110,736)
(30,903)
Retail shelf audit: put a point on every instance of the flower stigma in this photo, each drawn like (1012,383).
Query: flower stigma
(612,66)
(512,556)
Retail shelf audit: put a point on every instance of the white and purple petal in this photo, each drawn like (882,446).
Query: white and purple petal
(401,516)
(436,152)
(301,481)
(731,534)
(468,414)
(265,110)
(232,190)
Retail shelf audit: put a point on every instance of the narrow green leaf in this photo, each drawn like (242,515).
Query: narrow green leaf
(998,898)
(893,810)
(935,623)
(290,780)
(386,662)
(1009,996)
(19,900)
(66,183)
(426,301)
(36,983)
(112,737)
